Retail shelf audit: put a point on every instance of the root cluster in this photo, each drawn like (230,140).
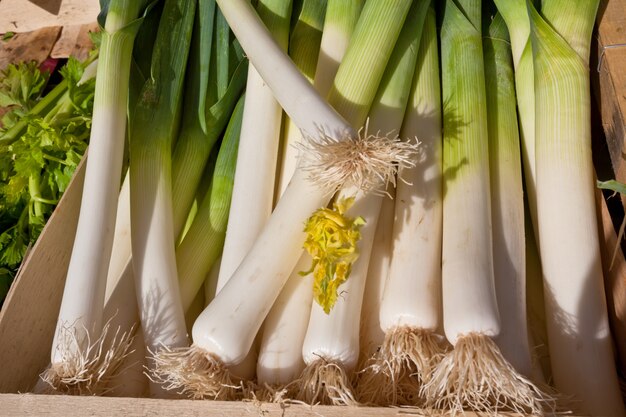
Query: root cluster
(87,367)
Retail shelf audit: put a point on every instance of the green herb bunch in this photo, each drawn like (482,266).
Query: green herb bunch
(42,140)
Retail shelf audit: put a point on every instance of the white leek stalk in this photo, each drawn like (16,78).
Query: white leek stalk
(410,311)
(507,198)
(280,354)
(256,160)
(155,124)
(580,341)
(474,375)
(280,351)
(80,321)
(121,309)
(258,153)
(331,344)
(371,334)
(120,305)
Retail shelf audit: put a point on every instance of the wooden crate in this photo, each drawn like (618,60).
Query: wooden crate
(28,319)
(608,77)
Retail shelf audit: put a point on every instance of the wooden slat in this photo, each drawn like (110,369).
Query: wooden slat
(29,314)
(608,77)
(614,279)
(28,15)
(57,406)
(609,80)
(74,41)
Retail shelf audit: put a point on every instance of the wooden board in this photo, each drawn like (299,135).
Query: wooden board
(614,280)
(28,317)
(74,41)
(31,46)
(608,78)
(608,75)
(29,15)
(55,406)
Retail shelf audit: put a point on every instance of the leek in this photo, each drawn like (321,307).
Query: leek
(410,310)
(257,158)
(156,121)
(80,319)
(507,198)
(580,343)
(255,177)
(203,241)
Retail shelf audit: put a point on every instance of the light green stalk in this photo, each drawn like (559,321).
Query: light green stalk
(339,23)
(304,47)
(203,242)
(363,65)
(580,341)
(203,121)
(574,21)
(515,15)
(193,144)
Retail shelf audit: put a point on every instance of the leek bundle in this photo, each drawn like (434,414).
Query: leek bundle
(221,337)
(352,298)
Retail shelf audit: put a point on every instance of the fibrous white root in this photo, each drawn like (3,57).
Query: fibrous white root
(395,374)
(475,376)
(322,382)
(366,162)
(87,368)
(196,373)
